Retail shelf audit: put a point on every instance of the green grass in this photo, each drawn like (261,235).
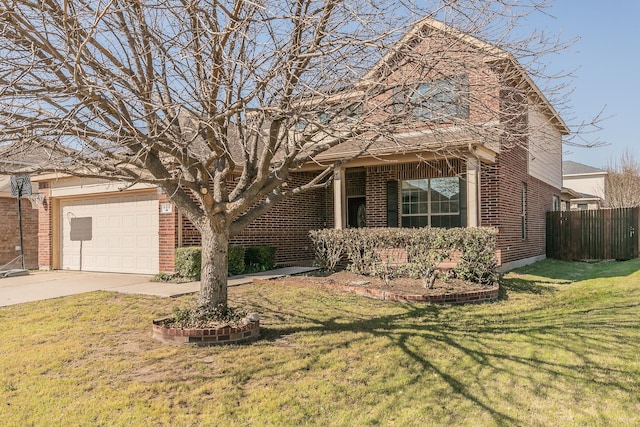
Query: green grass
(559,348)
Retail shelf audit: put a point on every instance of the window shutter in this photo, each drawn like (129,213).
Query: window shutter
(392,204)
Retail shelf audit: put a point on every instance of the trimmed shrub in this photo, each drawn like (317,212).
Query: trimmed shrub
(236,260)
(360,245)
(188,262)
(374,251)
(329,248)
(260,258)
(478,261)
(427,248)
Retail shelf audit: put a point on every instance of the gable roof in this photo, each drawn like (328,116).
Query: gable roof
(17,157)
(493,54)
(14,159)
(575,168)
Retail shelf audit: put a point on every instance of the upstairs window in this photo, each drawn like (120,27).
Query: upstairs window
(332,114)
(441,100)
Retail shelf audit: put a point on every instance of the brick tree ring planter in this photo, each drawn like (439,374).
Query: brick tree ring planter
(207,336)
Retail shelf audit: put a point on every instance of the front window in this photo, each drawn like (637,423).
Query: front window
(431,202)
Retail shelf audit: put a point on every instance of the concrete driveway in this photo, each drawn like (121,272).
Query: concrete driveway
(41,285)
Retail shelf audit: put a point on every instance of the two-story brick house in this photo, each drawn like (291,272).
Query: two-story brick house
(485,149)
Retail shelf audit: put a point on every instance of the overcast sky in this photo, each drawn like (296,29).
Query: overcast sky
(607,59)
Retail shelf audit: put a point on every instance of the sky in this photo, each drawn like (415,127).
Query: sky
(606,60)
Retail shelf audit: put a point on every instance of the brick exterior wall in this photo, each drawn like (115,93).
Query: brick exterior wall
(45,229)
(501,187)
(167,235)
(285,226)
(377,178)
(10,235)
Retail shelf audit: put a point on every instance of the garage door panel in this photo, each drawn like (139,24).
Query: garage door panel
(124,234)
(128,262)
(115,263)
(129,243)
(101,262)
(101,223)
(115,222)
(128,221)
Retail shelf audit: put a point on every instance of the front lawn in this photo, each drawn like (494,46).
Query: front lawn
(560,348)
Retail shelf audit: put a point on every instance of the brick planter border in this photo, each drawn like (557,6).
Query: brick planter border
(205,336)
(474,297)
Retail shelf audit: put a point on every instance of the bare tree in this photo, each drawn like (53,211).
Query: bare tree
(623,181)
(217,102)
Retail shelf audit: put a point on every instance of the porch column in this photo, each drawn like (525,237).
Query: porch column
(473,191)
(339,217)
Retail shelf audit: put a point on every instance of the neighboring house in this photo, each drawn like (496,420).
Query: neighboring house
(587,185)
(482,178)
(9,224)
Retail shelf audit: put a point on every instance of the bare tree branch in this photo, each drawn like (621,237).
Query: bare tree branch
(219,103)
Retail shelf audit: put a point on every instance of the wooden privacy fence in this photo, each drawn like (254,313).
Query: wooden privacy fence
(593,234)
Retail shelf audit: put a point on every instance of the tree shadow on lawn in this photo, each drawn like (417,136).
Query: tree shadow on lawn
(488,344)
(523,286)
(566,272)
(547,276)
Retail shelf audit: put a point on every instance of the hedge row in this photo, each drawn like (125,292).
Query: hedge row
(424,250)
(188,260)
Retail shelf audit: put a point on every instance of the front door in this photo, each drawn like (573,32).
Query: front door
(356,212)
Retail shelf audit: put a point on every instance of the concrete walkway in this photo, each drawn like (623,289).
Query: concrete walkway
(41,285)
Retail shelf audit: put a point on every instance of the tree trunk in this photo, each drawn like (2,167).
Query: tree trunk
(213,280)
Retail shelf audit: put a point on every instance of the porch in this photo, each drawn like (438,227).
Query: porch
(409,191)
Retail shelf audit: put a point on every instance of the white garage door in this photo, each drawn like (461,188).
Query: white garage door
(116,234)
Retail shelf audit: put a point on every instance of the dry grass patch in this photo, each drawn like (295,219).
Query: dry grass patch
(559,349)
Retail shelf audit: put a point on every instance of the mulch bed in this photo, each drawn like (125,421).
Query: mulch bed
(402,285)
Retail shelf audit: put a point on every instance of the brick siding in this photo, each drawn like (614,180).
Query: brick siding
(501,205)
(10,235)
(45,229)
(285,226)
(167,235)
(377,178)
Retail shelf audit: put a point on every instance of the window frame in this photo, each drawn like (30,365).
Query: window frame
(429,203)
(438,100)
